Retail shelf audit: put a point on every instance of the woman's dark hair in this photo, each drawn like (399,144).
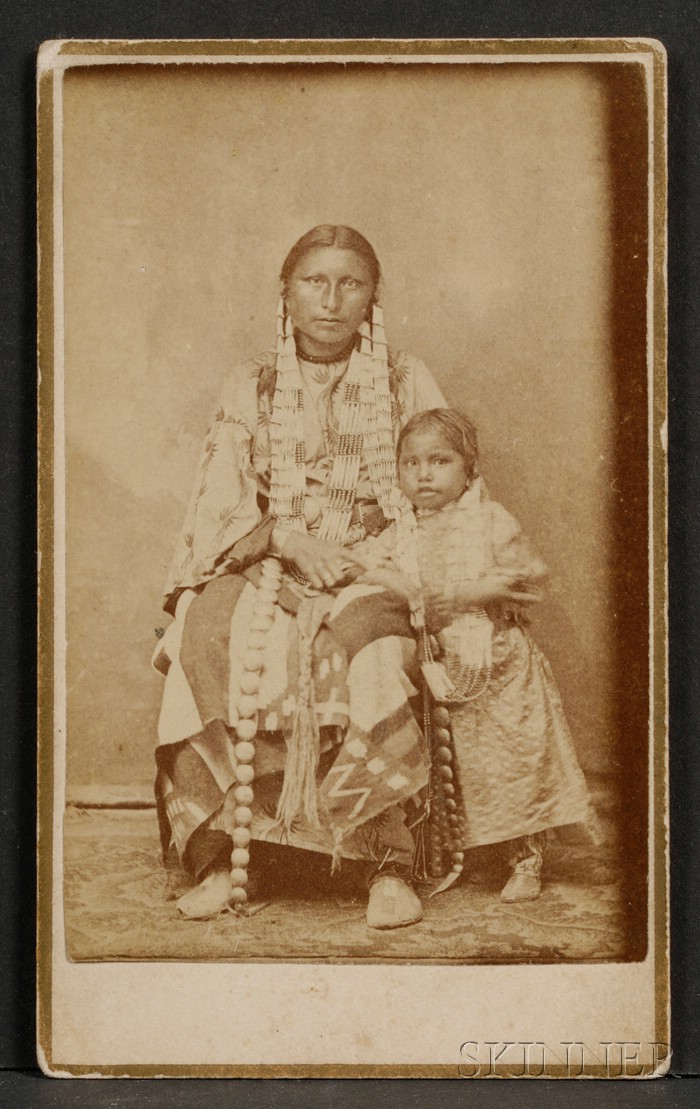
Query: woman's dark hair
(456,428)
(331,234)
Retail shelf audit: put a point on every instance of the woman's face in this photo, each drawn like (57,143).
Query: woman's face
(327,296)
(431,472)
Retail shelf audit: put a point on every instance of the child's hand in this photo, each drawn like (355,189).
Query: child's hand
(496,586)
(501,585)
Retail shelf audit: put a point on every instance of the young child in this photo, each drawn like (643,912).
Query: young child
(509,770)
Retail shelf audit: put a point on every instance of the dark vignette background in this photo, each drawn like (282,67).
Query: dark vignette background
(22,29)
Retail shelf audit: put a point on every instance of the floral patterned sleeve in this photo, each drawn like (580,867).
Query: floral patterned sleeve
(223,507)
(413,388)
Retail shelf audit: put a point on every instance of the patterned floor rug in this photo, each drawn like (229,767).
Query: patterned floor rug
(118,905)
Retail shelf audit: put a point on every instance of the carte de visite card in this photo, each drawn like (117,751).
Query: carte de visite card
(352,475)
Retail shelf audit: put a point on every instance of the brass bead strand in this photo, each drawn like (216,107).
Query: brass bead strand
(247,727)
(443,753)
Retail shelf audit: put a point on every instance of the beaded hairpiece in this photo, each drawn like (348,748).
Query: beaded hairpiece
(364,429)
(287,446)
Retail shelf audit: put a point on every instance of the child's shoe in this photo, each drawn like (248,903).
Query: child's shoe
(525,855)
(521,886)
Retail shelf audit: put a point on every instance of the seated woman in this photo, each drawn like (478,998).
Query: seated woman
(299,465)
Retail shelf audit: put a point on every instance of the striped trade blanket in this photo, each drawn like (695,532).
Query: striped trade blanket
(372,757)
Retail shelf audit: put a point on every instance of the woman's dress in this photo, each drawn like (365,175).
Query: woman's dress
(372,755)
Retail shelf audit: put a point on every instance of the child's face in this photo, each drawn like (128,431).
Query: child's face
(431,472)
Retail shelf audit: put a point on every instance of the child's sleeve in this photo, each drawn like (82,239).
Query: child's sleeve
(511,549)
(378,552)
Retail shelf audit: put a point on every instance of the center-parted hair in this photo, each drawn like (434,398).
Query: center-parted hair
(338,235)
(459,432)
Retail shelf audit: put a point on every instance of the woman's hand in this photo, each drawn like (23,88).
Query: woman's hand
(323,564)
(498,585)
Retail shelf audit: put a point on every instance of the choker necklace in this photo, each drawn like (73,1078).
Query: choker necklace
(322,360)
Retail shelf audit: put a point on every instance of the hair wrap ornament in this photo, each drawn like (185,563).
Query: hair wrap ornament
(261,622)
(287,441)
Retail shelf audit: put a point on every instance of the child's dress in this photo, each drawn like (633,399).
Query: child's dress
(515,759)
(515,765)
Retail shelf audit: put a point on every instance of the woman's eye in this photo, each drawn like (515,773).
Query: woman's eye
(351,283)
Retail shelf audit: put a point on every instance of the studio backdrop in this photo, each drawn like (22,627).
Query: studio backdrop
(504,204)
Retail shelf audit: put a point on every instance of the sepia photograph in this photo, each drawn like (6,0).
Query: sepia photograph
(352,472)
